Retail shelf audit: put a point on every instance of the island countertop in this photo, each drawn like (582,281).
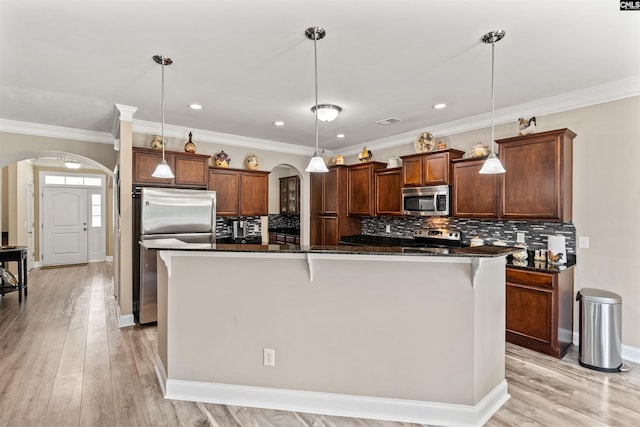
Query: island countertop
(475,252)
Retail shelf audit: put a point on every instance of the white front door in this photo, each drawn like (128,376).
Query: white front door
(64,223)
(30,224)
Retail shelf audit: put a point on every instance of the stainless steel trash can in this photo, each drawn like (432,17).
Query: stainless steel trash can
(600,330)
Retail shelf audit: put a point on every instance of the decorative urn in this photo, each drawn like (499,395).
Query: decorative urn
(156,142)
(222,159)
(252,161)
(190,147)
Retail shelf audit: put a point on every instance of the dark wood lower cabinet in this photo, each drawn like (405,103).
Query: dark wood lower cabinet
(325,230)
(539,310)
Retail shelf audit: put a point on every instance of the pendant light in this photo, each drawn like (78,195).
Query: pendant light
(316,164)
(492,165)
(326,112)
(162,170)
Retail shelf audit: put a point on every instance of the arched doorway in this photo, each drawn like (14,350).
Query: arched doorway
(21,196)
(284,204)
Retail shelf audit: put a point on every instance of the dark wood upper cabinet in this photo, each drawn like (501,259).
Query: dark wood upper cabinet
(361,188)
(254,190)
(433,168)
(388,185)
(226,184)
(539,178)
(240,192)
(190,170)
(290,195)
(474,195)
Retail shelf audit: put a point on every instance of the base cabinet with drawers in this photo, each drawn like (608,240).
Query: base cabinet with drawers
(539,310)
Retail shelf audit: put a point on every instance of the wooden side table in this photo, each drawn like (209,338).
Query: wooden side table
(19,255)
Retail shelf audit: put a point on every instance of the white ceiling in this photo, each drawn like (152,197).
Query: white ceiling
(67,63)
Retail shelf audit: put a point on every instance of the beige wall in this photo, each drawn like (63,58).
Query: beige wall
(606,195)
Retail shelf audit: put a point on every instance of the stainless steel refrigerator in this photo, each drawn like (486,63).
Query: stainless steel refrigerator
(164,213)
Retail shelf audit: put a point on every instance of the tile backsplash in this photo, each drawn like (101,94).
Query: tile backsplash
(535,232)
(224,226)
(284,221)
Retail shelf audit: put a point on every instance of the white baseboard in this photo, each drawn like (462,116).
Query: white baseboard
(632,354)
(124,320)
(431,413)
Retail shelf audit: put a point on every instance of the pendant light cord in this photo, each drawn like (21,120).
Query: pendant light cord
(493,96)
(315,60)
(163,62)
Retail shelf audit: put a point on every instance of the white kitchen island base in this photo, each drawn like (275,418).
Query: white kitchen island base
(403,338)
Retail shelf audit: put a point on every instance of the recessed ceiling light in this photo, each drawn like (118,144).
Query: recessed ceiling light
(278,123)
(440,106)
(195,106)
(340,135)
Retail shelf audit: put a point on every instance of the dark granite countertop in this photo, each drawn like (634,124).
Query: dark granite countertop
(532,264)
(173,244)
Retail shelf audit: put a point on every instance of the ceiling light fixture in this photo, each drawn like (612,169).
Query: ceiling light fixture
(327,112)
(71,164)
(278,123)
(316,164)
(162,170)
(195,106)
(340,135)
(492,165)
(440,106)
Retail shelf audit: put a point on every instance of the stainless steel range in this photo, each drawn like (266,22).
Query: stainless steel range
(435,240)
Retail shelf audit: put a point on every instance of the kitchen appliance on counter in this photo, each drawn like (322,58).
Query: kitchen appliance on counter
(426,201)
(165,213)
(239,229)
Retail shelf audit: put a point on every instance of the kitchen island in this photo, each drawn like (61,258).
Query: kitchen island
(367,332)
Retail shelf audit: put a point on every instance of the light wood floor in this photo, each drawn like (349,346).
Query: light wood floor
(64,362)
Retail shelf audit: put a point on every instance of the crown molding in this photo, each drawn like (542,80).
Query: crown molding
(172,131)
(609,92)
(50,131)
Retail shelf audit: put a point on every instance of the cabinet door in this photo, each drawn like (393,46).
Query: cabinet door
(293,195)
(538,181)
(254,199)
(435,169)
(226,184)
(284,202)
(529,316)
(191,171)
(330,192)
(331,231)
(315,231)
(474,195)
(316,192)
(388,184)
(145,162)
(412,172)
(360,191)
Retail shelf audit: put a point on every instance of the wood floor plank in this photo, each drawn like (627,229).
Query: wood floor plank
(64,361)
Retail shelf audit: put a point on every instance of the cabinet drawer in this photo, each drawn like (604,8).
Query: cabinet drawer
(542,280)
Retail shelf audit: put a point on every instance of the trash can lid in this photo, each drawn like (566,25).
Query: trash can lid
(599,295)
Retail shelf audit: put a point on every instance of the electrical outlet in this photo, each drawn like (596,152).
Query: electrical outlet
(520,237)
(583,242)
(387,229)
(268,357)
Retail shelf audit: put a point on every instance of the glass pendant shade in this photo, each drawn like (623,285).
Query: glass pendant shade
(162,170)
(317,164)
(492,165)
(327,112)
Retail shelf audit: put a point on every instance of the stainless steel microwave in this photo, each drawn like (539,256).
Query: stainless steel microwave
(426,201)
